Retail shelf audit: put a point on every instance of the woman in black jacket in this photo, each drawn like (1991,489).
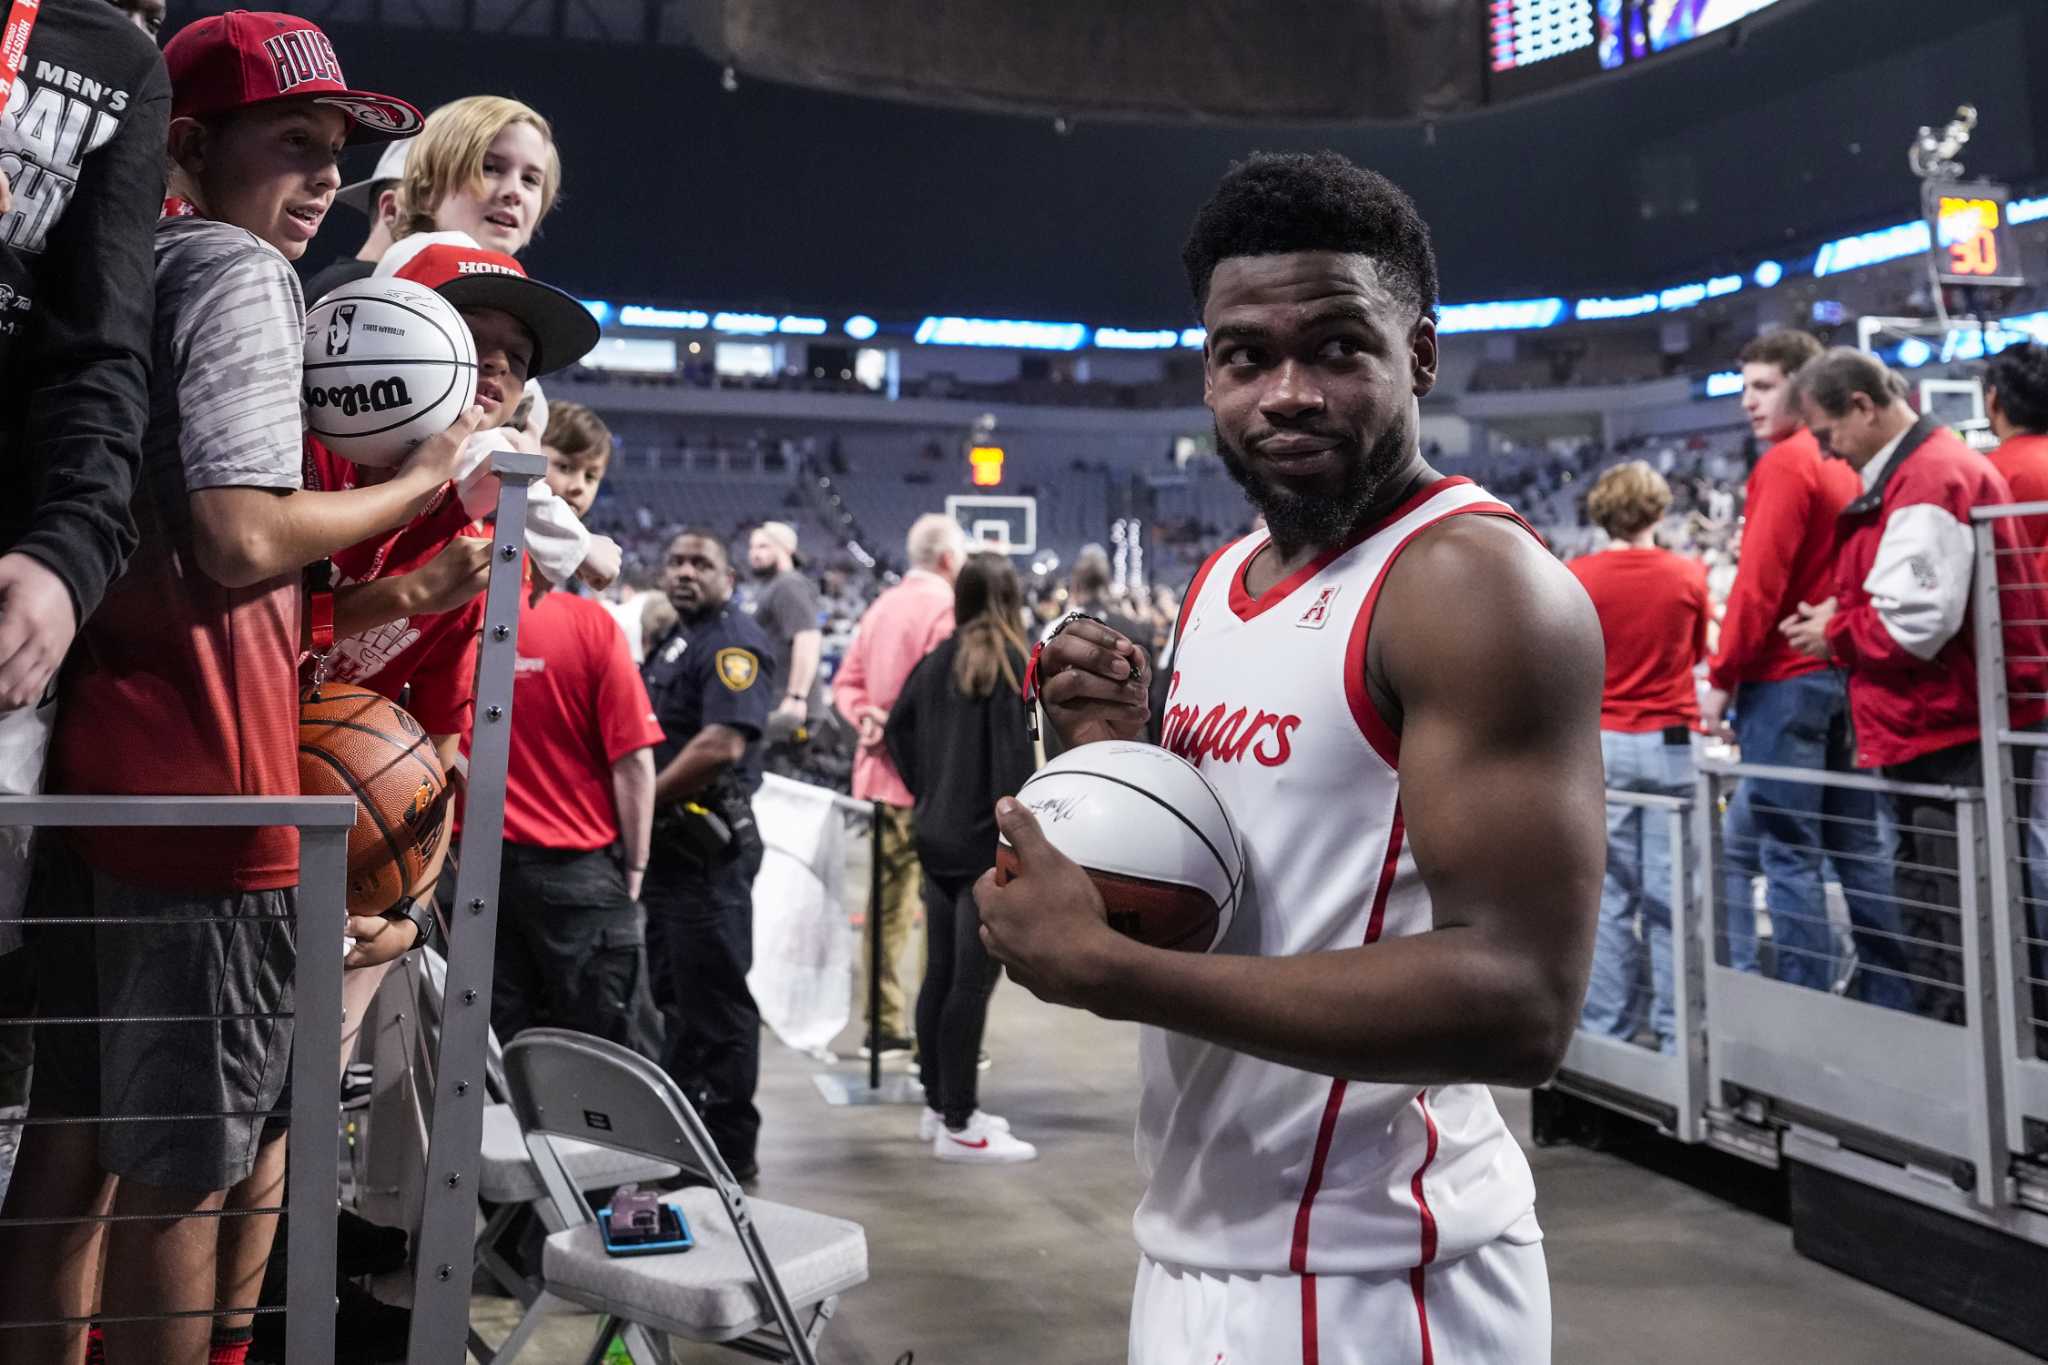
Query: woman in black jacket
(957,735)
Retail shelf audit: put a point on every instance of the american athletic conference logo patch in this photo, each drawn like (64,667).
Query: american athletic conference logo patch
(1318,614)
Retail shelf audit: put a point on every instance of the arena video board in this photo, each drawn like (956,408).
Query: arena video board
(1534,45)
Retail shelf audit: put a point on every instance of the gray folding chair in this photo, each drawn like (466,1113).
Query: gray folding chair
(404,1020)
(762,1278)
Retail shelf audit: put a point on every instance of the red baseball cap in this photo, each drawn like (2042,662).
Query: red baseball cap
(243,57)
(468,276)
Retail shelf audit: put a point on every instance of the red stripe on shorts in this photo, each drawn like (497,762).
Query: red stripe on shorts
(1428,1220)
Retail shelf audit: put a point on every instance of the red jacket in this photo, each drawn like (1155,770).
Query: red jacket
(1903,625)
(1788,557)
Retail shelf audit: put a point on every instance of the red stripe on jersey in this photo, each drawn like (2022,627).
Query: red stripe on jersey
(1371,724)
(1187,603)
(1311,1350)
(1246,606)
(1387,869)
(1297,1259)
(1421,1315)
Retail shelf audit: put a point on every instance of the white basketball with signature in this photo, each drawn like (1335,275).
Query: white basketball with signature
(1155,837)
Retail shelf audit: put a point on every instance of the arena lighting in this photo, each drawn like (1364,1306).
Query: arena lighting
(1913,353)
(1594,310)
(1515,315)
(1768,274)
(1680,296)
(1872,248)
(859,327)
(1193,337)
(679,319)
(1015,335)
(802,327)
(1724,384)
(1119,339)
(598,309)
(743,324)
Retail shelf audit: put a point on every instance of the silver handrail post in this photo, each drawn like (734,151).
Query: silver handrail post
(441,1275)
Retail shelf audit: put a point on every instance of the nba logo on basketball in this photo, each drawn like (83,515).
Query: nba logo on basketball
(338,328)
(1318,612)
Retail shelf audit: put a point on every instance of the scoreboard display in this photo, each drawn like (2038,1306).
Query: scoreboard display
(1534,45)
(1523,32)
(1970,234)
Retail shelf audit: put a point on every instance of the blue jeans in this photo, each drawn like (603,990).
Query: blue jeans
(1741,866)
(1638,883)
(1803,722)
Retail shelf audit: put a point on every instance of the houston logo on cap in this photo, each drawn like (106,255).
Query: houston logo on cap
(300,55)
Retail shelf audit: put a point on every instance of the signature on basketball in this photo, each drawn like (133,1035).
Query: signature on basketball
(1056,808)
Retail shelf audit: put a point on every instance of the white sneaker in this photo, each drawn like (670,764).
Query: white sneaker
(931,1123)
(981,1141)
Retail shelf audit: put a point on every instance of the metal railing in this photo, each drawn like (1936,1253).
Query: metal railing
(2008,585)
(312,1161)
(1872,955)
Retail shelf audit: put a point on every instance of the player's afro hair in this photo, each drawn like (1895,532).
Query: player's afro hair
(2020,374)
(1275,202)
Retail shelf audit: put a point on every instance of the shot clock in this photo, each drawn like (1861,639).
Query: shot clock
(1970,234)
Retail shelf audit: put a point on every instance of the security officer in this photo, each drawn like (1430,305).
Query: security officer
(712,681)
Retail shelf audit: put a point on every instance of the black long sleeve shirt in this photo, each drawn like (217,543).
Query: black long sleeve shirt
(82,145)
(957,754)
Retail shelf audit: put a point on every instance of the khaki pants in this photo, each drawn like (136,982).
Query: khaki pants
(902,887)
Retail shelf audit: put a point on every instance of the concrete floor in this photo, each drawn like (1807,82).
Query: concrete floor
(1032,1264)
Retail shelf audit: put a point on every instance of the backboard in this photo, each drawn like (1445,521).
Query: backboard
(1006,525)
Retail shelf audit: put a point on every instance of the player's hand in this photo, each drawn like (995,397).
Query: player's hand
(1714,714)
(451,578)
(1806,629)
(37,623)
(378,941)
(1047,924)
(1094,684)
(600,566)
(438,459)
(871,720)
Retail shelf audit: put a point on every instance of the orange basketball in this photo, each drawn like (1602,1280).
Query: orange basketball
(353,742)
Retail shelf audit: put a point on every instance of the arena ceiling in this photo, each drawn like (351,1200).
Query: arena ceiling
(683,183)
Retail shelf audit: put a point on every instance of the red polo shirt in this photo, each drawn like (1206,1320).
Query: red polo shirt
(578,706)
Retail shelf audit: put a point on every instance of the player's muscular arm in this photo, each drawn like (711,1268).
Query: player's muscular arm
(710,751)
(1498,711)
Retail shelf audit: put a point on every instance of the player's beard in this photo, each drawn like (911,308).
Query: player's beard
(1298,519)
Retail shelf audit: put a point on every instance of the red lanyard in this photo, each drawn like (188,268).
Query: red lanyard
(21,21)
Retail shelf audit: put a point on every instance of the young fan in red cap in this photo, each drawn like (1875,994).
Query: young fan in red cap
(185,682)
(393,631)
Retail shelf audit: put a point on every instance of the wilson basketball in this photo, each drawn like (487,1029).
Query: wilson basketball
(388,364)
(1153,835)
(353,742)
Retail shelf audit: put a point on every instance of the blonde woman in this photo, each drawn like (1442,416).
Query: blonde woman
(1653,611)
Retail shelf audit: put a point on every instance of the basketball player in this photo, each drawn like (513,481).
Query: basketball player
(1397,693)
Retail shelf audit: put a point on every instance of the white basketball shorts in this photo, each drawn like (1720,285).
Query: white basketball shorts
(1491,1307)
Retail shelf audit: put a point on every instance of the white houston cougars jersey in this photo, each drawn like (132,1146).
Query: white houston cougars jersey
(1257,1168)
